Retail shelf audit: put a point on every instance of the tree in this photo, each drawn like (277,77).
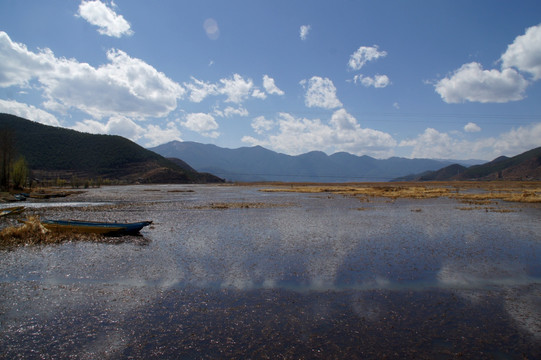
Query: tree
(7,149)
(20,173)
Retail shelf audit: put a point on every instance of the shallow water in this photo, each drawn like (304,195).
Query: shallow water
(285,275)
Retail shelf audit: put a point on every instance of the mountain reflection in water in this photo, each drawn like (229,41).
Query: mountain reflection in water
(278,274)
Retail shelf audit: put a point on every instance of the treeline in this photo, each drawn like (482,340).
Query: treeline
(75,182)
(13,168)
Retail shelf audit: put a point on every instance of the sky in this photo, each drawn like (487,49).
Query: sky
(448,79)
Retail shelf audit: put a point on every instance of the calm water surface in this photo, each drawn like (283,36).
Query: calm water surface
(279,275)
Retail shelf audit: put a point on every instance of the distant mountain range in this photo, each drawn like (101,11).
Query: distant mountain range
(525,166)
(260,164)
(53,152)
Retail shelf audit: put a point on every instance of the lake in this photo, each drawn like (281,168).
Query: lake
(233,272)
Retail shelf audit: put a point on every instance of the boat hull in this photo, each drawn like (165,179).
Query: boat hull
(94,227)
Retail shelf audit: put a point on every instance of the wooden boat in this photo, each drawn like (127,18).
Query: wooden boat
(95,227)
(11,210)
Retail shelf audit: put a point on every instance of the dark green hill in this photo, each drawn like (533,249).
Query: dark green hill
(53,152)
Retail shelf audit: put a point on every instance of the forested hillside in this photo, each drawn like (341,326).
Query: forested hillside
(58,152)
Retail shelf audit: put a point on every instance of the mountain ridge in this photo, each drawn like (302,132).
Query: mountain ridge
(260,164)
(524,166)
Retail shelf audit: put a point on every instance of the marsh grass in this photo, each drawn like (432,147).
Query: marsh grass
(474,192)
(239,205)
(486,209)
(31,232)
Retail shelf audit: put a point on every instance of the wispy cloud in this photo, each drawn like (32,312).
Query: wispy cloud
(231,111)
(378,81)
(363,55)
(105,18)
(199,90)
(358,60)
(211,28)
(236,88)
(303,31)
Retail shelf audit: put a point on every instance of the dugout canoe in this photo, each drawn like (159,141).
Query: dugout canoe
(109,228)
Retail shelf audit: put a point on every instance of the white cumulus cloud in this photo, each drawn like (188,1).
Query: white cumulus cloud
(435,144)
(472,127)
(296,135)
(525,53)
(116,125)
(124,86)
(471,83)
(105,18)
(19,65)
(236,88)
(363,55)
(202,123)
(320,92)
(29,112)
(261,125)
(151,135)
(270,87)
(303,31)
(258,94)
(432,144)
(155,135)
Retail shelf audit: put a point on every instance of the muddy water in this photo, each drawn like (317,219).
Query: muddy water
(279,275)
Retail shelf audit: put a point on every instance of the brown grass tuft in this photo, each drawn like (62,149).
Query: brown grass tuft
(31,232)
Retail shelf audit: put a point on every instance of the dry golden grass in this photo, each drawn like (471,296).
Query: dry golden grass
(477,192)
(33,233)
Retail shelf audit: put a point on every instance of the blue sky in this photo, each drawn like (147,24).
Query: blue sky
(438,79)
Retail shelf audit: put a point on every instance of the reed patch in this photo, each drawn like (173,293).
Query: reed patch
(472,192)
